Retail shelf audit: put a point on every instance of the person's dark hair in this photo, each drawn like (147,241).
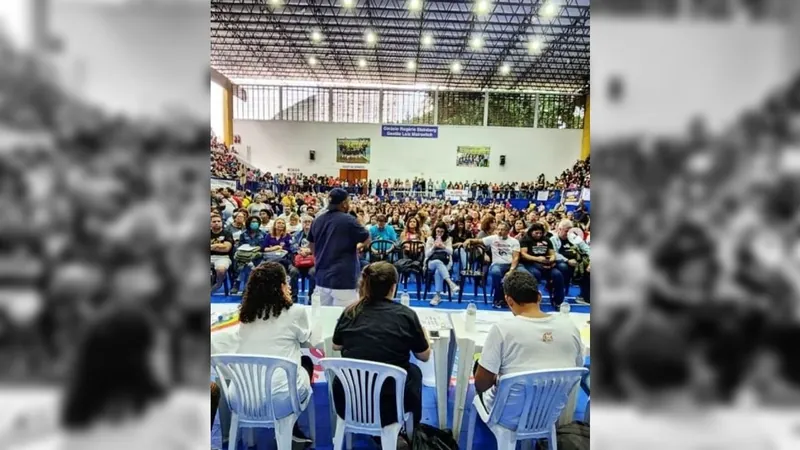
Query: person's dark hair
(113,370)
(536,226)
(443,227)
(377,280)
(522,287)
(254,218)
(486,223)
(653,355)
(380,218)
(263,296)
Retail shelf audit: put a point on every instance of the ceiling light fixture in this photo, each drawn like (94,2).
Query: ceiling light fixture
(505,69)
(415,5)
(548,10)
(362,62)
(535,46)
(456,67)
(348,3)
(312,61)
(427,40)
(476,42)
(276,3)
(316,36)
(370,37)
(482,7)
(411,65)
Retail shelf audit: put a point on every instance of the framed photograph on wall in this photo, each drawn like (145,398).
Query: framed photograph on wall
(353,151)
(472,156)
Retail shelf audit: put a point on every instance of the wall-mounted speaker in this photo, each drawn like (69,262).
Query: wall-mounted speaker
(502,160)
(312,155)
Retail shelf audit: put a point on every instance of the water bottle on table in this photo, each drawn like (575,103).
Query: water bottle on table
(472,316)
(316,304)
(405,299)
(564,308)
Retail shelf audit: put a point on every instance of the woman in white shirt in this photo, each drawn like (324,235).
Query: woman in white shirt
(439,257)
(271,325)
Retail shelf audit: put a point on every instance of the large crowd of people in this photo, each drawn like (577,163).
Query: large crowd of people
(249,228)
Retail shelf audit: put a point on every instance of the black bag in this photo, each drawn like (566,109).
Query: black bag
(440,255)
(427,437)
(573,436)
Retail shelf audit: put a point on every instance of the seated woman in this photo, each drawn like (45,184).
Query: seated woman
(518,230)
(411,232)
(247,260)
(294,224)
(278,243)
(458,236)
(271,325)
(302,259)
(377,329)
(439,260)
(238,225)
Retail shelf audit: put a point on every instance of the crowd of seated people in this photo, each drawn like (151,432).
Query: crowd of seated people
(267,227)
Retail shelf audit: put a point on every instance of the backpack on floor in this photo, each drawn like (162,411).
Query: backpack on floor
(573,436)
(427,437)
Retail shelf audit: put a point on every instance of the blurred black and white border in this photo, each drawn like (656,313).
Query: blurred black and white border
(103,178)
(696,143)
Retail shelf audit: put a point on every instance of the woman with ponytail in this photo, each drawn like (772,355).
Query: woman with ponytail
(380,330)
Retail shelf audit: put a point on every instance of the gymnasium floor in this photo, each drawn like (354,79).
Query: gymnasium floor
(483,438)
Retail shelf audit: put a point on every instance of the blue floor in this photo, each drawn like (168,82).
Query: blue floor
(483,438)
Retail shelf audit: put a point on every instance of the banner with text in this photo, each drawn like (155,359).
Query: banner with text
(586,195)
(217,183)
(410,131)
(457,194)
(542,196)
(572,197)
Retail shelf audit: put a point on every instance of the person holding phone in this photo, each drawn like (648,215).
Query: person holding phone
(439,260)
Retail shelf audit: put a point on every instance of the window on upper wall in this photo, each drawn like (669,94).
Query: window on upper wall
(356,106)
(461,108)
(512,110)
(408,107)
(260,103)
(561,111)
(305,104)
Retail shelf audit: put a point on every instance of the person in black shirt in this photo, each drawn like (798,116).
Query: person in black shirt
(221,245)
(378,329)
(537,257)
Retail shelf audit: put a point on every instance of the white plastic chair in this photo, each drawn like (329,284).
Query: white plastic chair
(251,400)
(526,406)
(362,382)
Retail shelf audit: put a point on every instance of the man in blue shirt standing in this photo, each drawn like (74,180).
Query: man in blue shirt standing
(333,237)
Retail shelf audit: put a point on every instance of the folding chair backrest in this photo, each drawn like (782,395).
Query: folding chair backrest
(362,382)
(531,402)
(382,248)
(251,378)
(414,250)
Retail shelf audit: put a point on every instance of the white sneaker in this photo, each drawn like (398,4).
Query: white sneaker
(454,288)
(435,300)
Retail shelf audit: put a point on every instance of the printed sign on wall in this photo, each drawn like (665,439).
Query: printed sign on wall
(410,131)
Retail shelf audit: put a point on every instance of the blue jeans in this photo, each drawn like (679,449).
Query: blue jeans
(441,273)
(566,271)
(496,273)
(540,273)
(460,259)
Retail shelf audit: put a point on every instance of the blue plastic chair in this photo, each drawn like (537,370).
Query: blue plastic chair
(252,402)
(362,382)
(526,406)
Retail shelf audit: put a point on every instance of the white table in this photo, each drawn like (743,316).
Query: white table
(470,343)
(222,341)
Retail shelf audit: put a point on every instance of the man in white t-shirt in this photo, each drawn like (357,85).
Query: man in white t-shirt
(505,257)
(532,340)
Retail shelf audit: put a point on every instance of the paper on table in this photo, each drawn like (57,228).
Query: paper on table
(247,247)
